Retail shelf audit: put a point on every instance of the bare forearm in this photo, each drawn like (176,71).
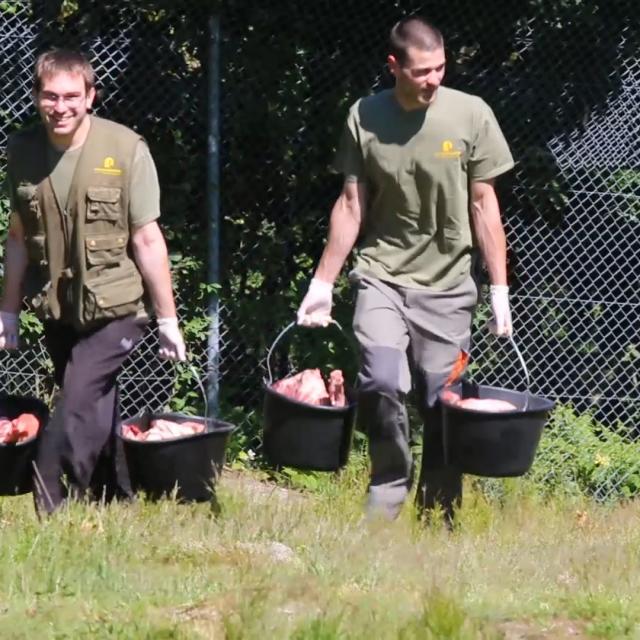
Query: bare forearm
(153,261)
(344,228)
(15,265)
(490,236)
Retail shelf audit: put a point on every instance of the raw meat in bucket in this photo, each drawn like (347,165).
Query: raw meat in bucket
(479,404)
(161,429)
(492,405)
(309,387)
(336,389)
(22,428)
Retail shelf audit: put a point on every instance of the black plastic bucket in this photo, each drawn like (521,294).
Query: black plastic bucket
(188,465)
(494,444)
(305,436)
(16,469)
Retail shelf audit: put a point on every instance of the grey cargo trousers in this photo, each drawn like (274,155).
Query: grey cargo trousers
(409,338)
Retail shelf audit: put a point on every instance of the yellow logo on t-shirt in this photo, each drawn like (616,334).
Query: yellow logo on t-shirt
(109,167)
(447,150)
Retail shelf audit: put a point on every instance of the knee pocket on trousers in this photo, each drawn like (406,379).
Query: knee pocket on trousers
(381,370)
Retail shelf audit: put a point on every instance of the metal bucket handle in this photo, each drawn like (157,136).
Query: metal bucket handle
(524,369)
(192,368)
(281,335)
(522,363)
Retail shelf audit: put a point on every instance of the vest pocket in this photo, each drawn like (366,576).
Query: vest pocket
(105,249)
(112,294)
(28,203)
(36,250)
(103,203)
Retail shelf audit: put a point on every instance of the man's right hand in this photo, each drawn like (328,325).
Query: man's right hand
(315,310)
(8,330)
(172,345)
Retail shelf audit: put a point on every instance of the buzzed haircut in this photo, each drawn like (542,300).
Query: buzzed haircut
(57,61)
(416,32)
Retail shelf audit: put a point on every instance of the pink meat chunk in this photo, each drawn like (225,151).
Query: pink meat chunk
(162,429)
(336,389)
(309,387)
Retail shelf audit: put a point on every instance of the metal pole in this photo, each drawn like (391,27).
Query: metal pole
(213,206)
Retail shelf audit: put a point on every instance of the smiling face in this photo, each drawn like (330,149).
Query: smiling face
(418,77)
(63,102)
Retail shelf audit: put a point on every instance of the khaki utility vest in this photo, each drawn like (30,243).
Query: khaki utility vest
(80,264)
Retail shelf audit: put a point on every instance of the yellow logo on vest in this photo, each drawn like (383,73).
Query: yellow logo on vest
(447,150)
(109,167)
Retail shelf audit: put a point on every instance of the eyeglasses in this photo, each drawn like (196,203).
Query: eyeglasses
(70,99)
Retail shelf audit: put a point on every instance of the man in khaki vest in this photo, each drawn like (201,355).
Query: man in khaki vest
(85,247)
(419,162)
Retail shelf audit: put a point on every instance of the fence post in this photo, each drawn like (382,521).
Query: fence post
(213,206)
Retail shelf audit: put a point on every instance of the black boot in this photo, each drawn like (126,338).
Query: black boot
(440,484)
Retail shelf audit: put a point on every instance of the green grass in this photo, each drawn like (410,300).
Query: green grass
(305,566)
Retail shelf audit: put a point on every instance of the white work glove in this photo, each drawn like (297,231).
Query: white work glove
(8,330)
(170,339)
(315,310)
(501,323)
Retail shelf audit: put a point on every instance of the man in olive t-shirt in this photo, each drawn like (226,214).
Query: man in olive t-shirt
(419,163)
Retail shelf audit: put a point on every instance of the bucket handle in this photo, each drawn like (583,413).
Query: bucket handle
(522,363)
(525,370)
(192,369)
(281,335)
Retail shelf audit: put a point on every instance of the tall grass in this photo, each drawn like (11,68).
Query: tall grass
(277,564)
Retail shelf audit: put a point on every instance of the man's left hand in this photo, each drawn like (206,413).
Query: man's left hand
(501,323)
(171,342)
(9,330)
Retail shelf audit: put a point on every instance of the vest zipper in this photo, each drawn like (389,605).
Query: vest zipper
(66,304)
(67,239)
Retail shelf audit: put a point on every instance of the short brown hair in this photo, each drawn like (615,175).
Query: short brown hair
(413,31)
(63,61)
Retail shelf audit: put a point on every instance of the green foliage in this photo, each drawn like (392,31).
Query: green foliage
(276,563)
(322,628)
(243,448)
(30,327)
(627,183)
(10,7)
(297,479)
(288,77)
(442,617)
(579,456)
(609,617)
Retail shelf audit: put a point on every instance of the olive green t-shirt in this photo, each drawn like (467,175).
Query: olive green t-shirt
(418,166)
(144,189)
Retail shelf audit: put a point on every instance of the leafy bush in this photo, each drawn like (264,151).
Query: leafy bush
(578,455)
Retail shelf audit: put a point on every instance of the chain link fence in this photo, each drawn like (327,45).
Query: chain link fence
(563,78)
(149,77)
